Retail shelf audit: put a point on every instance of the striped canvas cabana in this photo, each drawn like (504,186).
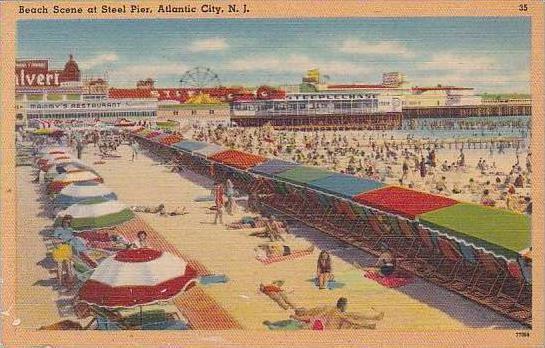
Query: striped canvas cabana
(190,145)
(404,202)
(273,166)
(209,150)
(302,175)
(237,159)
(346,186)
(500,231)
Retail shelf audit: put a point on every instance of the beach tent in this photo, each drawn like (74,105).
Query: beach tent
(301,175)
(81,191)
(137,277)
(67,178)
(503,232)
(344,185)
(273,166)
(209,150)
(404,202)
(171,139)
(96,213)
(237,159)
(153,134)
(190,145)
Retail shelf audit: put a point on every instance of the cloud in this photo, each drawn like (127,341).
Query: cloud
(452,61)
(491,82)
(134,72)
(295,63)
(213,44)
(99,60)
(356,46)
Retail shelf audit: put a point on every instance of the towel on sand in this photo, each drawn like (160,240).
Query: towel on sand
(213,279)
(395,280)
(331,284)
(289,324)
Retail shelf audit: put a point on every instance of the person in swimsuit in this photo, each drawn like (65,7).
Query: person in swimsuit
(323,269)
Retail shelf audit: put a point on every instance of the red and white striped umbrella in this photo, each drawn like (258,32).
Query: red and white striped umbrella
(137,277)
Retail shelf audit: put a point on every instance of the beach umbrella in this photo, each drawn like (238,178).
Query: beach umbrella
(136,277)
(68,167)
(82,191)
(53,150)
(66,179)
(46,159)
(96,213)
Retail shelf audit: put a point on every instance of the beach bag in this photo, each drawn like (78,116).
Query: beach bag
(318,324)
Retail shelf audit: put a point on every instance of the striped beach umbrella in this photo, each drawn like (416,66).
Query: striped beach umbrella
(96,213)
(67,167)
(45,162)
(53,150)
(66,179)
(137,277)
(83,191)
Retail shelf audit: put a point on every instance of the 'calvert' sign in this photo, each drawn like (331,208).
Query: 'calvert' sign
(33,73)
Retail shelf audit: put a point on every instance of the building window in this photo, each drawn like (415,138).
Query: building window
(175,113)
(211,112)
(193,112)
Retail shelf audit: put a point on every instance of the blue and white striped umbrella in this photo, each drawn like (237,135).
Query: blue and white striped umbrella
(81,191)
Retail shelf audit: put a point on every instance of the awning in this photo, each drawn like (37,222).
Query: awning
(302,175)
(190,145)
(344,185)
(238,159)
(500,231)
(209,150)
(273,166)
(404,202)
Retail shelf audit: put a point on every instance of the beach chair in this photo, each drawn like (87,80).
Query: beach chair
(426,255)
(409,239)
(449,264)
(467,270)
(515,292)
(489,276)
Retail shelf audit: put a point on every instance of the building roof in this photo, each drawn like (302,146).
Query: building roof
(357,86)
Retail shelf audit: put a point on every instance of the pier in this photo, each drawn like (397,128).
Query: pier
(485,109)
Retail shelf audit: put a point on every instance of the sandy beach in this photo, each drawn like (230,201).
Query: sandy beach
(419,306)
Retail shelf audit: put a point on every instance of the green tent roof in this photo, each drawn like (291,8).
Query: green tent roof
(302,175)
(498,230)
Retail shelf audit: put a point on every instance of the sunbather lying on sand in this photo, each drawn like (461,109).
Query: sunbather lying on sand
(248,222)
(332,318)
(274,249)
(277,294)
(180,210)
(160,209)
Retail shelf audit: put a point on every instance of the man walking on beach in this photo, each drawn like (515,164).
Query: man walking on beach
(218,193)
(79,147)
(134,147)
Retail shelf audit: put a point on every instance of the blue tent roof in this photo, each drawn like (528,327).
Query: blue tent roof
(190,145)
(209,150)
(344,185)
(273,166)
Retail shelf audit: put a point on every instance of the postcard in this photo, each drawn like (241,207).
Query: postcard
(272,173)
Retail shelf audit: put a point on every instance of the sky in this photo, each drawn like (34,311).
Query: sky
(490,54)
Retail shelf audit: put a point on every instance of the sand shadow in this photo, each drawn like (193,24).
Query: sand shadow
(454,305)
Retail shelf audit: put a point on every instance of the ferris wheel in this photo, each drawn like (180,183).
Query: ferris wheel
(200,77)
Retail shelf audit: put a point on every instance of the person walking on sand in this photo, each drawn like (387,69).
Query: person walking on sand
(134,148)
(79,147)
(218,198)
(323,269)
(230,193)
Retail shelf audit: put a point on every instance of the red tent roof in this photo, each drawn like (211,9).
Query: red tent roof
(238,159)
(404,202)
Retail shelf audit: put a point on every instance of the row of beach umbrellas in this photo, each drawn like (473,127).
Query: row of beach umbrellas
(128,278)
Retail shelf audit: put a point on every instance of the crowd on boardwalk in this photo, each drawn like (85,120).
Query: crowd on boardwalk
(496,173)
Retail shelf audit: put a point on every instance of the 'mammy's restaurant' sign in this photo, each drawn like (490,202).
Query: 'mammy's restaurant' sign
(35,73)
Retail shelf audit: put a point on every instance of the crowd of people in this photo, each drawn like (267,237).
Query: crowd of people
(437,165)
